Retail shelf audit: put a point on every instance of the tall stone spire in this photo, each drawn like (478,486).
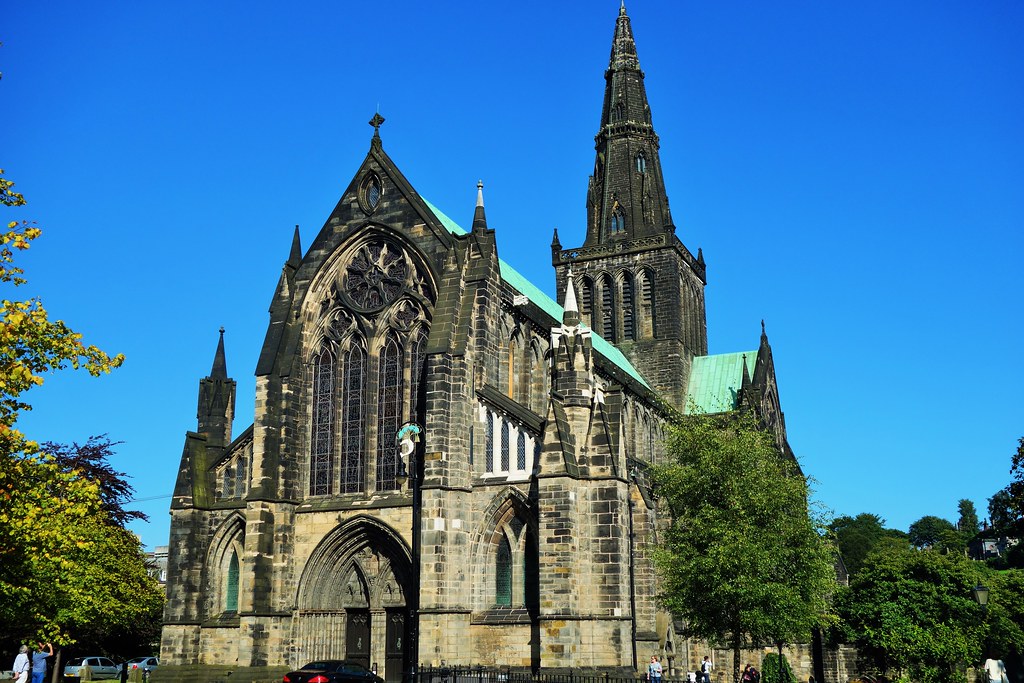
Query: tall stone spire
(626,195)
(216,409)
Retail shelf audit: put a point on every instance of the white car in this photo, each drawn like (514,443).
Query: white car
(141,663)
(101,667)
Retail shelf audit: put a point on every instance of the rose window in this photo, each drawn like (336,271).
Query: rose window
(376,275)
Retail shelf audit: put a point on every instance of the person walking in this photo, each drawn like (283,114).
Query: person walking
(39,662)
(705,669)
(996,670)
(654,670)
(21,665)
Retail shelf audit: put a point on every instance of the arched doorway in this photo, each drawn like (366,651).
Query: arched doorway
(351,600)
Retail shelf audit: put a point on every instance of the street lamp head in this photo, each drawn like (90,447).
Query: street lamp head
(980,593)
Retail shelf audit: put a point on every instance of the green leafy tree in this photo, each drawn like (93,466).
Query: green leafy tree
(771,672)
(929,531)
(744,560)
(68,567)
(858,536)
(1001,513)
(1006,507)
(968,522)
(912,613)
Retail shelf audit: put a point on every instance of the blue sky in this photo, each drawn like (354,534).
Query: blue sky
(852,171)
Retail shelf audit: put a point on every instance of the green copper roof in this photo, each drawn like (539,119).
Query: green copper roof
(543,301)
(715,381)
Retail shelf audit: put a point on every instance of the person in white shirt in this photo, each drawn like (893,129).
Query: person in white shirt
(996,670)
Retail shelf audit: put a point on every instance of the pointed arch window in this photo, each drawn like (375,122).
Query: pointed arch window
(641,162)
(231,592)
(389,413)
(618,221)
(628,310)
(647,302)
(353,429)
(416,360)
(503,573)
(587,301)
(321,460)
(607,309)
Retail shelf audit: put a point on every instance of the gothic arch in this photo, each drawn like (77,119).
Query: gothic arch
(509,522)
(223,565)
(362,542)
(627,298)
(606,289)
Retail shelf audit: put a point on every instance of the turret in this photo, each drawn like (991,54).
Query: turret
(216,409)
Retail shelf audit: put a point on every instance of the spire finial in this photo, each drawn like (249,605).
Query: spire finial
(220,366)
(479,218)
(764,335)
(622,8)
(376,122)
(570,295)
(295,257)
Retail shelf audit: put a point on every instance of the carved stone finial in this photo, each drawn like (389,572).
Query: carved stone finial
(376,122)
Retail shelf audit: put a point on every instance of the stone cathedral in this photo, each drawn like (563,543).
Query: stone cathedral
(293,540)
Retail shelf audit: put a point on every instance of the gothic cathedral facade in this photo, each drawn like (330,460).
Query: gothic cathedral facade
(519,532)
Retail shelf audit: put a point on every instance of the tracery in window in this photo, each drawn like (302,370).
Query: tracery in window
(353,436)
(417,356)
(389,413)
(321,460)
(641,162)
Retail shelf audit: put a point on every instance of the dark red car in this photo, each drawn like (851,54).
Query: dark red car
(332,671)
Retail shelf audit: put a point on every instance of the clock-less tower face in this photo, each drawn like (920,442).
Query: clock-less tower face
(376,275)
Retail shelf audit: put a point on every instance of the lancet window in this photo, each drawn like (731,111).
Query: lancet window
(628,312)
(353,429)
(389,413)
(322,451)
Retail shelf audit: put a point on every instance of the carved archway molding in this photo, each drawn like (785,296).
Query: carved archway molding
(362,549)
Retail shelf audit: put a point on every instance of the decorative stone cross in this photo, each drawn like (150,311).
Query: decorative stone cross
(376,122)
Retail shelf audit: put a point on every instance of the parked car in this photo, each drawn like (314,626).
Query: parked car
(142,663)
(101,667)
(332,671)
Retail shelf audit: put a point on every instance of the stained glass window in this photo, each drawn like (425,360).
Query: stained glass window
(231,593)
(353,430)
(389,414)
(521,451)
(489,456)
(504,446)
(321,472)
(417,359)
(503,574)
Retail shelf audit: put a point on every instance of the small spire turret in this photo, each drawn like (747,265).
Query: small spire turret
(479,218)
(220,365)
(295,256)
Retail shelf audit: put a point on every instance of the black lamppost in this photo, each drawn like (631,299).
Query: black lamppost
(980,593)
(408,439)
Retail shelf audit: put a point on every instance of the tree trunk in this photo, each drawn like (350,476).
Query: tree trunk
(57,674)
(736,659)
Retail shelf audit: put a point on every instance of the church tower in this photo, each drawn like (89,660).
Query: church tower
(639,287)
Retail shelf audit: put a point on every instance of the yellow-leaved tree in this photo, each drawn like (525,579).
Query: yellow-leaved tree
(68,567)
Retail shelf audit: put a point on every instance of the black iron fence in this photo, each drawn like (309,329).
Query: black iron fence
(480,674)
